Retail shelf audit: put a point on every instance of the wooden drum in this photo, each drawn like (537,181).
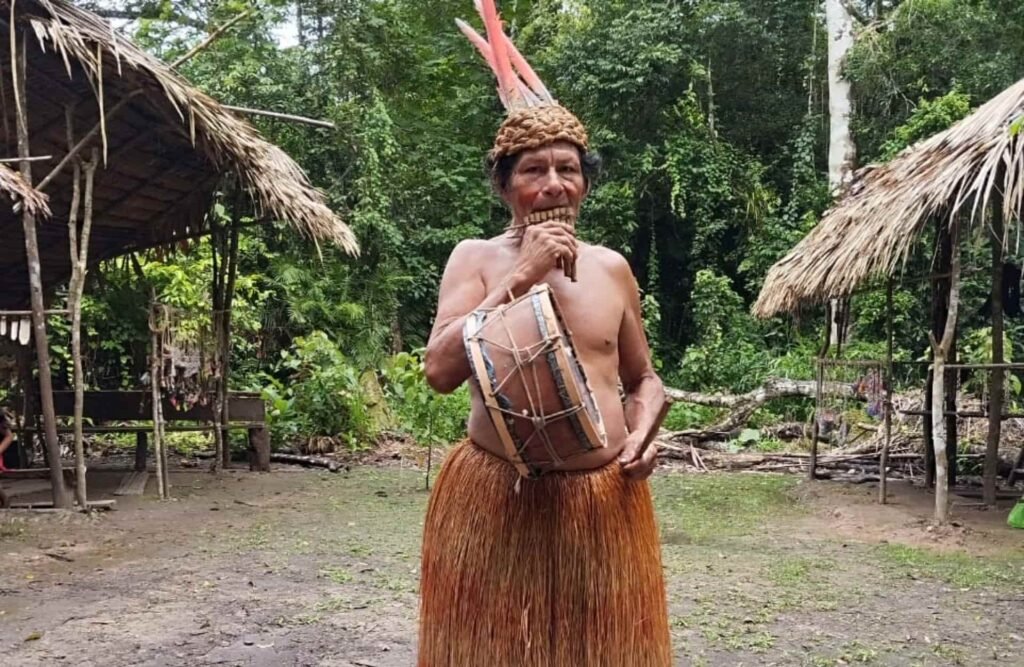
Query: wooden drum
(534,387)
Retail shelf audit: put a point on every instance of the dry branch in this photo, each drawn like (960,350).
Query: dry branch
(282,116)
(742,406)
(209,39)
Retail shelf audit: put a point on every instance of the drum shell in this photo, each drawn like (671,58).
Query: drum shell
(545,408)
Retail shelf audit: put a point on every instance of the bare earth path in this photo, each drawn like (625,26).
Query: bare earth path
(308,568)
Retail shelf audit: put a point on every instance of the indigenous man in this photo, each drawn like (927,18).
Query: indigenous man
(562,569)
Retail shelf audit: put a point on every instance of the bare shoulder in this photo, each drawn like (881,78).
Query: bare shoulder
(469,248)
(472,254)
(610,260)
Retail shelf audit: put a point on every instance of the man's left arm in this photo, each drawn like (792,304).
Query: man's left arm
(646,403)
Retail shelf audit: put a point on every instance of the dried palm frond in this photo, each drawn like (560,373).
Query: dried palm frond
(15,187)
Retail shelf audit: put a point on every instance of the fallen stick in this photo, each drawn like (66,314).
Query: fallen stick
(314,461)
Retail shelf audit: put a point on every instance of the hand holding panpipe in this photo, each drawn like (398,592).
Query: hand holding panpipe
(565,214)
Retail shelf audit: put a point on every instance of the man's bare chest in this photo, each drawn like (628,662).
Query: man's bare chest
(592,307)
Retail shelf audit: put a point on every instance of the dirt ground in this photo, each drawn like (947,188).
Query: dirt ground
(302,567)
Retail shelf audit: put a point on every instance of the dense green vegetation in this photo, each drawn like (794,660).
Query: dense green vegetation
(712,119)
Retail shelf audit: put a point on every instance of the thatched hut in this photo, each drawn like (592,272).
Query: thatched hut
(165,150)
(166,146)
(969,175)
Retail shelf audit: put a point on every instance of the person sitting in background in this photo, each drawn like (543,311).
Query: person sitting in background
(6,440)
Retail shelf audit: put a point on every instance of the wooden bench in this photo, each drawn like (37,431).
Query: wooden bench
(246,411)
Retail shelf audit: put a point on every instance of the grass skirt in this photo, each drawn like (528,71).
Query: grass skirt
(563,572)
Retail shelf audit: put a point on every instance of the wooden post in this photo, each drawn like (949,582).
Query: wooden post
(259,449)
(819,376)
(995,387)
(141,445)
(225,333)
(61,499)
(929,436)
(217,253)
(154,382)
(26,437)
(812,463)
(952,419)
(79,253)
(884,463)
(940,352)
(224,243)
(941,271)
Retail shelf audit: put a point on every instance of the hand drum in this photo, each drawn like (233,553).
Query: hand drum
(534,387)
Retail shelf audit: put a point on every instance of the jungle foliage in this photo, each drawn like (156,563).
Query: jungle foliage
(710,115)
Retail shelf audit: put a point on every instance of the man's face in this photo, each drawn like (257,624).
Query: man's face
(544,178)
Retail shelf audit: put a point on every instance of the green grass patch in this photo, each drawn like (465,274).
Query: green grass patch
(704,507)
(957,569)
(338,575)
(791,572)
(11,529)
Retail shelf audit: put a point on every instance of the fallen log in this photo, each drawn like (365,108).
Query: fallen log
(742,406)
(312,461)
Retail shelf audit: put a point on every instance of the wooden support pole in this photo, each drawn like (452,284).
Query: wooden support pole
(224,242)
(884,463)
(154,382)
(995,378)
(812,462)
(929,436)
(952,409)
(940,352)
(819,376)
(259,449)
(55,172)
(28,406)
(141,447)
(61,499)
(79,253)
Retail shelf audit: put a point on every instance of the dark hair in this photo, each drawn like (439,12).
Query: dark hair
(500,170)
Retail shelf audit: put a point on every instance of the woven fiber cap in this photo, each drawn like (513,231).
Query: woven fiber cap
(532,127)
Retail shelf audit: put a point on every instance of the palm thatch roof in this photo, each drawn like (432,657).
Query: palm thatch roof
(874,226)
(15,187)
(166,146)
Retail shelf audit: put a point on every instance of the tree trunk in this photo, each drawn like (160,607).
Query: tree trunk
(842,153)
(742,406)
(995,389)
(941,350)
(61,499)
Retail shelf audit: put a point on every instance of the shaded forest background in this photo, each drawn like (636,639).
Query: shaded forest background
(711,117)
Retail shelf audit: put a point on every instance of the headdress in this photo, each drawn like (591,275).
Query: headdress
(534,116)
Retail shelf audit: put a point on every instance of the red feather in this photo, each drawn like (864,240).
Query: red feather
(495,37)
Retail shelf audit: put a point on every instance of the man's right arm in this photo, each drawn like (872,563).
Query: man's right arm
(462,291)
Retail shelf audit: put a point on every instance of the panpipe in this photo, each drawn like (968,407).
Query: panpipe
(565,214)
